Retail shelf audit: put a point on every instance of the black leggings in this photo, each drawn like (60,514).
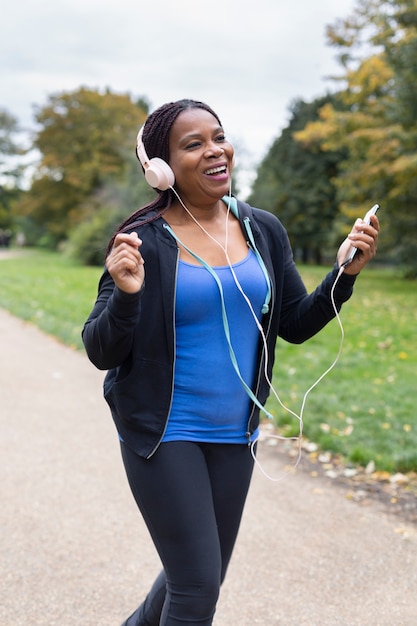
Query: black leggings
(191,496)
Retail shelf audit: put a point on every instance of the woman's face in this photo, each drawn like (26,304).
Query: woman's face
(200,156)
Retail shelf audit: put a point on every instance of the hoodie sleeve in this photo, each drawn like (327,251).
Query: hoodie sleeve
(109,330)
(304,314)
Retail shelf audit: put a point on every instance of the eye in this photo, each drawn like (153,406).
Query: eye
(221,138)
(192,144)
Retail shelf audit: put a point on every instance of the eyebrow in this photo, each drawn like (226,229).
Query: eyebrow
(197,134)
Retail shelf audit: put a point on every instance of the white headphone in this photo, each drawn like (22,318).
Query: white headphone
(158,174)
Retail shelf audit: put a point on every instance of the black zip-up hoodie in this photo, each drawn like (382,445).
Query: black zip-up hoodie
(133,335)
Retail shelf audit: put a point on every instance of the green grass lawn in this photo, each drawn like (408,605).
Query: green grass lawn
(364,409)
(50,291)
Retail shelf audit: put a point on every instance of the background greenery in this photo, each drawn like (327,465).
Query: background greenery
(341,153)
(365,409)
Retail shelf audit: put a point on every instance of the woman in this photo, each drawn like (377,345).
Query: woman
(196,290)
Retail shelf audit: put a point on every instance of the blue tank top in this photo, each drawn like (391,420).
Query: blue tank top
(210,403)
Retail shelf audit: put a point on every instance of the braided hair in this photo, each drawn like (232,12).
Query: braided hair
(155,139)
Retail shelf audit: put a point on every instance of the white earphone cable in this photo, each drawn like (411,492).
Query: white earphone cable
(298,416)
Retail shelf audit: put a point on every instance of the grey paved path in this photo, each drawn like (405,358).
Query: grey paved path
(74,551)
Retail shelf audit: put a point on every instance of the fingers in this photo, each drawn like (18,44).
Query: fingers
(126,241)
(364,237)
(126,247)
(125,262)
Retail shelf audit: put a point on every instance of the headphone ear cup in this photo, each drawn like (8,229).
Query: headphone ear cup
(159,175)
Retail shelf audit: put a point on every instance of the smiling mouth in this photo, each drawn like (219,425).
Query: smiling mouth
(221,169)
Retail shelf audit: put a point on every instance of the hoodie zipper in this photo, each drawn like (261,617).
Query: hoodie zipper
(174,360)
(268,306)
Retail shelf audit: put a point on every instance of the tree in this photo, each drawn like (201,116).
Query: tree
(83,140)
(108,208)
(9,172)
(296,183)
(8,129)
(377,126)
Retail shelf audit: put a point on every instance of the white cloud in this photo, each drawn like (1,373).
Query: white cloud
(247,59)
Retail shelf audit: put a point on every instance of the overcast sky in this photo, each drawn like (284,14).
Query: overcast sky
(247,59)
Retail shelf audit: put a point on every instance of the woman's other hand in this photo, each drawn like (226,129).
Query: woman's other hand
(125,263)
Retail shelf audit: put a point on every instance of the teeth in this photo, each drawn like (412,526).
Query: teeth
(216,170)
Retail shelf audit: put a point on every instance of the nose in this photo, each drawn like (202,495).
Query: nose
(214,151)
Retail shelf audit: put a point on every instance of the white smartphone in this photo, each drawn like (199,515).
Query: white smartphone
(367,220)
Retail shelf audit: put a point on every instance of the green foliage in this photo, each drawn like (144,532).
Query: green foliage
(377,126)
(338,155)
(296,183)
(84,138)
(8,129)
(87,241)
(9,195)
(9,175)
(107,209)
